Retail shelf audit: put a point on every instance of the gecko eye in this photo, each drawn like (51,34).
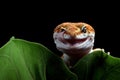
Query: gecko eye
(83,29)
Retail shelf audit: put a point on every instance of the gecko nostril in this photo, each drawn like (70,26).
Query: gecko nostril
(62,30)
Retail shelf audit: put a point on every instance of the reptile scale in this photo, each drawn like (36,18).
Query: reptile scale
(74,40)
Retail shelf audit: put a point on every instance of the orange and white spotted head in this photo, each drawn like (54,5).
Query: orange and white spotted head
(73,37)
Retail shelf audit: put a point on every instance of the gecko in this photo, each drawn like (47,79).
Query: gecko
(74,40)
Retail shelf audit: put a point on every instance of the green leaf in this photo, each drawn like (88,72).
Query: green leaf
(25,60)
(98,66)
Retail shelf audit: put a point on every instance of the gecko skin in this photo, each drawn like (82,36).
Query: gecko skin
(74,40)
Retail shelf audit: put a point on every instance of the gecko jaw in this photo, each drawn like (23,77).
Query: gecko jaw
(65,42)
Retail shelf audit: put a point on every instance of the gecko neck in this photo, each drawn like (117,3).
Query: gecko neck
(73,57)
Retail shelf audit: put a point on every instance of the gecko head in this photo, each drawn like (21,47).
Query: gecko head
(73,37)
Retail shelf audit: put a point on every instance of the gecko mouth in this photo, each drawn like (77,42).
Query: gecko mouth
(64,41)
(74,41)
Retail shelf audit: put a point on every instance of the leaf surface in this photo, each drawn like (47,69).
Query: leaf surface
(25,60)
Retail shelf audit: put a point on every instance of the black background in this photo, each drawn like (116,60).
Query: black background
(36,24)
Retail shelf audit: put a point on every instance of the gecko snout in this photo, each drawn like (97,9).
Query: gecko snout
(71,32)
